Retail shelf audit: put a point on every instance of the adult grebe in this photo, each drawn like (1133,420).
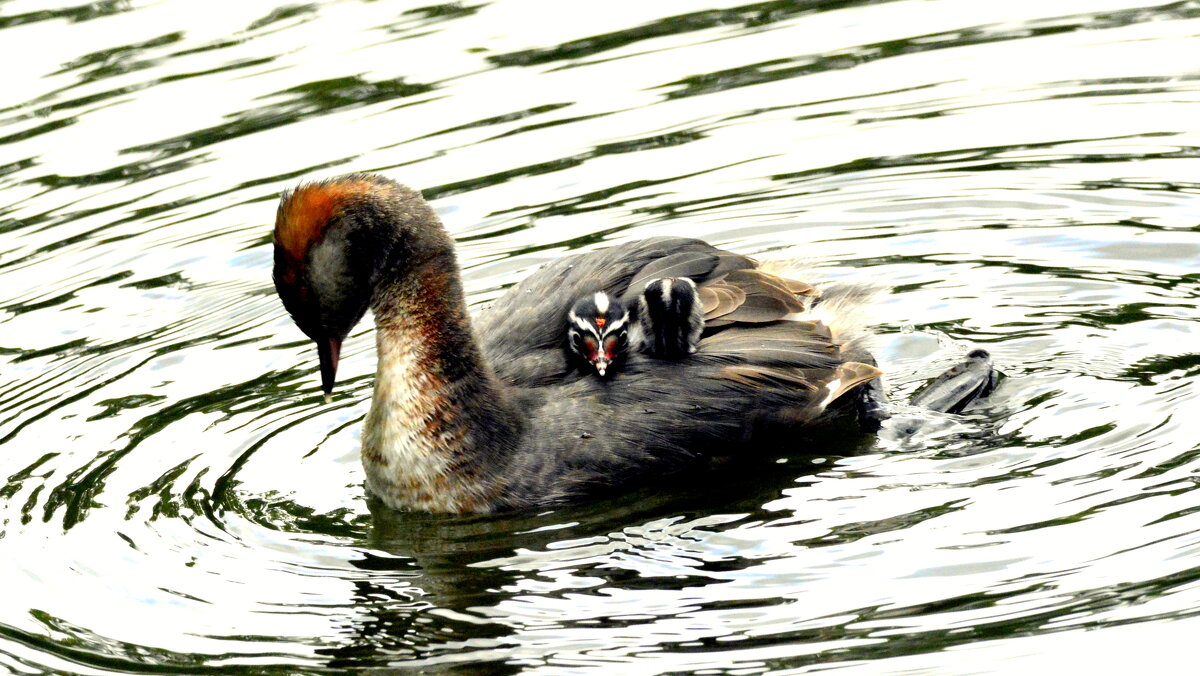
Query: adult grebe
(483,414)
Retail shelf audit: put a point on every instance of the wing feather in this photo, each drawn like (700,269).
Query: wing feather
(692,264)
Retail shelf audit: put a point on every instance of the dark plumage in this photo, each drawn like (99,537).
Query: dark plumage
(485,418)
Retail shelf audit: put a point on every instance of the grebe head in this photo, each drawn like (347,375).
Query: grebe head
(598,330)
(332,243)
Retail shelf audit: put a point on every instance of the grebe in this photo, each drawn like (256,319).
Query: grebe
(671,317)
(598,332)
(478,415)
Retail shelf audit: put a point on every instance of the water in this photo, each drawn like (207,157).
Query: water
(177,498)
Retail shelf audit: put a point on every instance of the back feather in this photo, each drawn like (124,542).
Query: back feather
(775,351)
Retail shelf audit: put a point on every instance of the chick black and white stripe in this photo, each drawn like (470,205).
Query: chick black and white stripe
(598,330)
(670,318)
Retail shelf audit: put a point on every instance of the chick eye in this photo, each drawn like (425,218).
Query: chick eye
(610,345)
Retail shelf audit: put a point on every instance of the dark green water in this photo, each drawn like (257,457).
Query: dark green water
(175,497)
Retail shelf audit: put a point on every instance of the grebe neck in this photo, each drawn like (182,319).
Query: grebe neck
(441,428)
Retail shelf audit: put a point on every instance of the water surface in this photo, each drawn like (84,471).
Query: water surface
(177,497)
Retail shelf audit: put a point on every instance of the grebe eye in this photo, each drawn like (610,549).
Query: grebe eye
(611,347)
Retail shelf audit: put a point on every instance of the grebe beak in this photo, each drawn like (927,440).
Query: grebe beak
(601,366)
(329,349)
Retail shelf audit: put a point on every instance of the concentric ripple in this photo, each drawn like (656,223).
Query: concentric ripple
(177,497)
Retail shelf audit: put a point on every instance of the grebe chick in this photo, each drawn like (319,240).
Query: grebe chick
(598,331)
(670,317)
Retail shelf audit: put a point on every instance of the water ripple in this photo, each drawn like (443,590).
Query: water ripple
(176,495)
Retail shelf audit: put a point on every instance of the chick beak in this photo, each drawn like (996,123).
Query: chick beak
(601,366)
(329,349)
